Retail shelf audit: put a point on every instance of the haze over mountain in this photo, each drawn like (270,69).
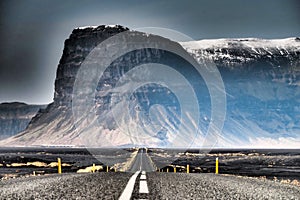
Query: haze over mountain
(261,78)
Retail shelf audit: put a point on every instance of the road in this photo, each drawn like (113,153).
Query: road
(211,186)
(144,184)
(65,186)
(142,162)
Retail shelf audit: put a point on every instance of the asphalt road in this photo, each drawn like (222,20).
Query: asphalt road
(145,184)
(211,186)
(66,186)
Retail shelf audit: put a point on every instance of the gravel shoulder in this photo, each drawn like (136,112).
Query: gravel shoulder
(211,186)
(66,186)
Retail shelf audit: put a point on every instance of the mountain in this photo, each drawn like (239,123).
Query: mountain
(56,125)
(261,79)
(15,117)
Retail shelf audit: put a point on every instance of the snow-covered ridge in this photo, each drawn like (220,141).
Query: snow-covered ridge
(94,27)
(242,42)
(243,50)
(85,27)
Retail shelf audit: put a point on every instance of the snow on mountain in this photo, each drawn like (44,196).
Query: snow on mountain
(243,50)
(253,43)
(94,27)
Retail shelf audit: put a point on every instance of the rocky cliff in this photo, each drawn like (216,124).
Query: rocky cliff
(261,77)
(55,125)
(76,48)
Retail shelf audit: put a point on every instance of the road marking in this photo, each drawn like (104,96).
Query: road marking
(141,163)
(143,173)
(126,194)
(143,177)
(143,187)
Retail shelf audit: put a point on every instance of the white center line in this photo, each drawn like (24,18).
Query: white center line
(143,187)
(126,194)
(143,177)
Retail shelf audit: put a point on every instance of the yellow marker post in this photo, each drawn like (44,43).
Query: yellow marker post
(94,168)
(106,168)
(174,169)
(187,168)
(167,169)
(217,165)
(59,165)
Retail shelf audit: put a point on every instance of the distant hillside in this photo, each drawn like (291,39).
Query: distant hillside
(15,117)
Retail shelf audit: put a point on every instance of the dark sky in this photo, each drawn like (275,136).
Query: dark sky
(33,32)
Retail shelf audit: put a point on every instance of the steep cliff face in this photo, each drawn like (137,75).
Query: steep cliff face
(55,124)
(261,77)
(77,47)
(15,117)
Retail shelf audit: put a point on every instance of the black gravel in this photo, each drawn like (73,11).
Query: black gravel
(66,186)
(211,186)
(279,163)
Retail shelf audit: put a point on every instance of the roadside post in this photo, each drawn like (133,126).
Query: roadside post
(217,165)
(59,165)
(187,168)
(94,168)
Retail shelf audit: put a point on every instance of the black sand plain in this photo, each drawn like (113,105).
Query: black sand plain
(268,163)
